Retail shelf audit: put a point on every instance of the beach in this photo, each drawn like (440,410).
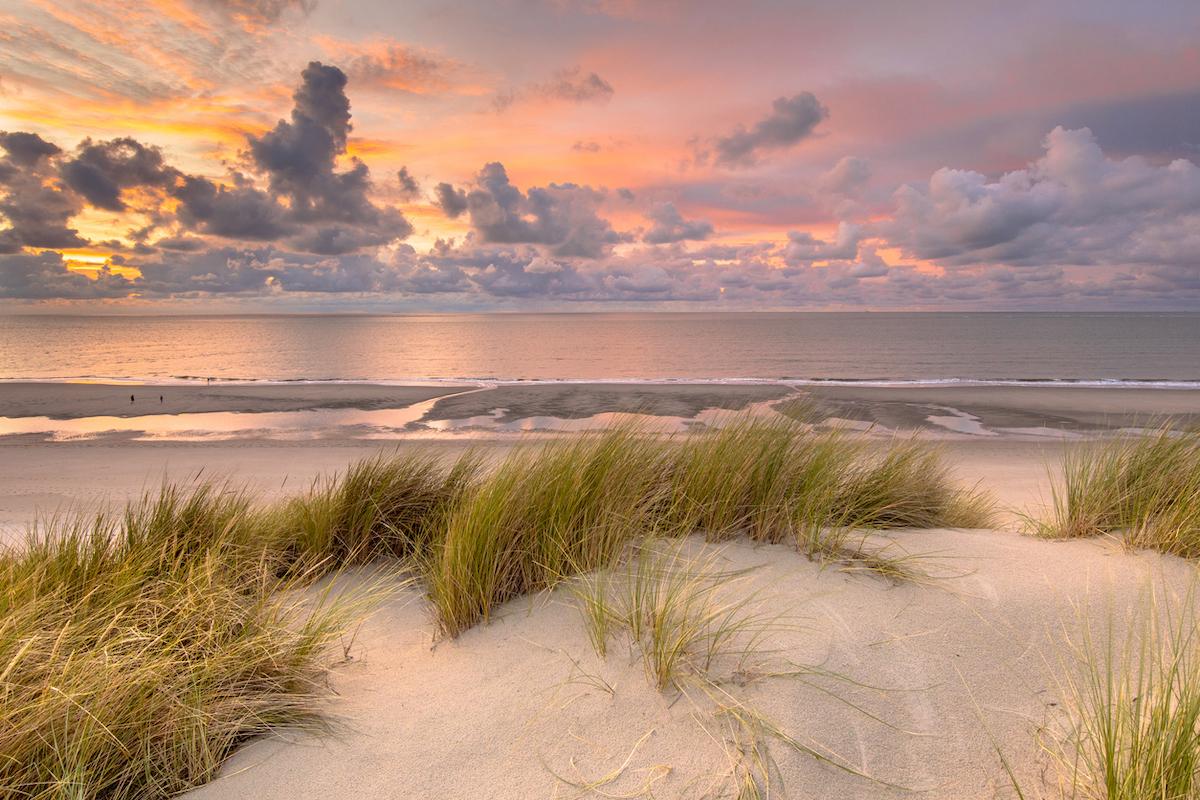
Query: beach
(916,685)
(1012,436)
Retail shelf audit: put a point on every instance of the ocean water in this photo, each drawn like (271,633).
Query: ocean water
(854,347)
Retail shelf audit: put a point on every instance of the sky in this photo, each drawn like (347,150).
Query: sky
(374,156)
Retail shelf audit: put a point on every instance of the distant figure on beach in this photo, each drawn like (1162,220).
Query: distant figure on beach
(160,399)
(131,398)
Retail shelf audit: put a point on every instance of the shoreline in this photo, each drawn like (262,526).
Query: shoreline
(361,410)
(484,382)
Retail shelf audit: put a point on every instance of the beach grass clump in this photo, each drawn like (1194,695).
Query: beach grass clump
(136,652)
(678,611)
(700,633)
(572,505)
(381,507)
(1134,705)
(1144,490)
(542,515)
(775,482)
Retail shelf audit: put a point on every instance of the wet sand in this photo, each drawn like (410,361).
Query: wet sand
(1011,409)
(1066,408)
(75,400)
(509,403)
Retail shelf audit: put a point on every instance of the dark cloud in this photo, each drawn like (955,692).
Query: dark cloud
(453,202)
(308,205)
(299,156)
(37,207)
(44,276)
(571,85)
(234,212)
(26,149)
(181,244)
(409,188)
(265,270)
(791,120)
(586,146)
(670,226)
(100,171)
(562,216)
(332,210)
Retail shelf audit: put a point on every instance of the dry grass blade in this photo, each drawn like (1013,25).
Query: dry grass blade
(1134,702)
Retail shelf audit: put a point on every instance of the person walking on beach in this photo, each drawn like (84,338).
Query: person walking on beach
(131,399)
(160,399)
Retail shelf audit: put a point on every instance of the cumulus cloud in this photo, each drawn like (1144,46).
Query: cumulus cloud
(239,211)
(849,176)
(561,216)
(35,203)
(181,244)
(791,120)
(308,203)
(409,188)
(1074,205)
(803,248)
(332,209)
(26,149)
(100,171)
(670,226)
(453,202)
(571,85)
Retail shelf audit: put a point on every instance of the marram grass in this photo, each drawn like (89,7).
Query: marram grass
(138,650)
(1134,701)
(571,506)
(137,653)
(1143,490)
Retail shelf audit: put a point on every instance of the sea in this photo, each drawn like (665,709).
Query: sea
(1144,349)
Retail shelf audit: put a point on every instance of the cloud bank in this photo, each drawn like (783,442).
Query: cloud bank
(299,216)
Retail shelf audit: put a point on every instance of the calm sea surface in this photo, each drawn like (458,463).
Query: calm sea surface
(635,346)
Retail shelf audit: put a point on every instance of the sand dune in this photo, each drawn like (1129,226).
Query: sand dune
(508,710)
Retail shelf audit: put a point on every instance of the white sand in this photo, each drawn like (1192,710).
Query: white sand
(495,713)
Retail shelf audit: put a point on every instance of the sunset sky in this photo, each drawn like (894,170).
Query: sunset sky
(309,155)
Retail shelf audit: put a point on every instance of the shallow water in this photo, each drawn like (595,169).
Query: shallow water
(340,423)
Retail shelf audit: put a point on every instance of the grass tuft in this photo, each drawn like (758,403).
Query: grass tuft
(1142,490)
(542,515)
(382,507)
(573,505)
(675,610)
(1134,705)
(137,652)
